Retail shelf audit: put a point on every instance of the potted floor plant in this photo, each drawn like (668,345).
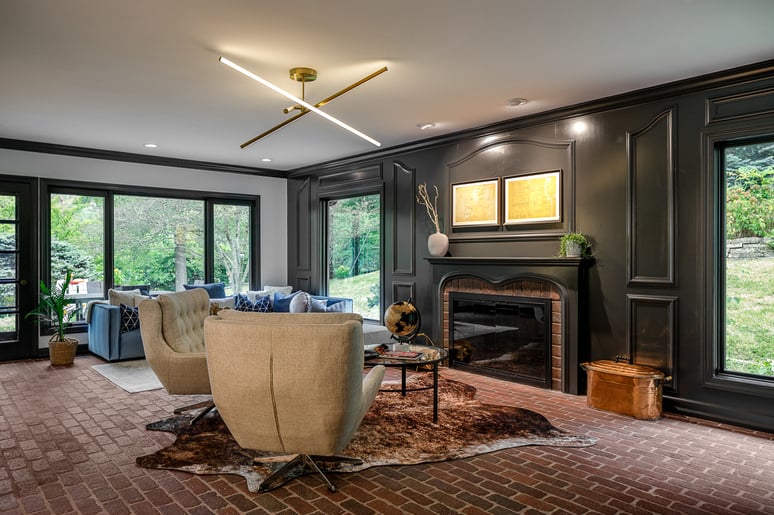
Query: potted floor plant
(54,309)
(574,244)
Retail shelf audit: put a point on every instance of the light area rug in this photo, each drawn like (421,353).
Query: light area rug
(133,376)
(396,431)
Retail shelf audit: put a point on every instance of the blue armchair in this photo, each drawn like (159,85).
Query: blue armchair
(106,339)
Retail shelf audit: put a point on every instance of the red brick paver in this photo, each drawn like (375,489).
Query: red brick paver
(69,438)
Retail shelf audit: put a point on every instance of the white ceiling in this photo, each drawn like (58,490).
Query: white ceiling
(115,74)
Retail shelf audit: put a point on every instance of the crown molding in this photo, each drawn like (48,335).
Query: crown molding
(129,157)
(739,74)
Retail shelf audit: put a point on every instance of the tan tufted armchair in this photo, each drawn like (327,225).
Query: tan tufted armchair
(290,385)
(172,328)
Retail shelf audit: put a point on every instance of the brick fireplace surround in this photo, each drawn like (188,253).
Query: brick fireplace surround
(563,280)
(532,288)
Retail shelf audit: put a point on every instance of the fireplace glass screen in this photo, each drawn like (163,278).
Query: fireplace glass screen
(502,336)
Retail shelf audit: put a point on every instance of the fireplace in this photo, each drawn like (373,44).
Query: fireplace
(501,335)
(558,286)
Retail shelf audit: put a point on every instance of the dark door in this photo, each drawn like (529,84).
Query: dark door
(18,336)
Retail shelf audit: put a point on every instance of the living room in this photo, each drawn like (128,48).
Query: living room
(638,166)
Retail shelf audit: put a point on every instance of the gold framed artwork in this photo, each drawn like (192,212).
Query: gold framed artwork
(533,198)
(476,203)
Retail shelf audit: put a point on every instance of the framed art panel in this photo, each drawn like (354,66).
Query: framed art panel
(476,203)
(533,198)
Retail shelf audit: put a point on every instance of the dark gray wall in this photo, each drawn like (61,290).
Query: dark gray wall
(639,181)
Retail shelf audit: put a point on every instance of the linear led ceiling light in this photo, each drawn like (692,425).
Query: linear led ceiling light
(304,75)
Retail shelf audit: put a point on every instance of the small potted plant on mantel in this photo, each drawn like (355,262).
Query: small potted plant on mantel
(574,244)
(53,309)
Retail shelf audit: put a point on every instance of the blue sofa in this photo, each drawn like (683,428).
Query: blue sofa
(348,303)
(106,339)
(228,302)
(108,342)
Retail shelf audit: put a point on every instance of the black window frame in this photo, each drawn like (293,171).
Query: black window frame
(109,191)
(714,142)
(350,192)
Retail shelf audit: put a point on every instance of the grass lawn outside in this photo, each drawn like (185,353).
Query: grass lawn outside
(750,316)
(360,289)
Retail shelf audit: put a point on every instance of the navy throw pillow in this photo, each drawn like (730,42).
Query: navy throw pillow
(130,318)
(214,290)
(261,304)
(282,302)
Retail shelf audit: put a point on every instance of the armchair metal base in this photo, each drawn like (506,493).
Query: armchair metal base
(206,407)
(298,465)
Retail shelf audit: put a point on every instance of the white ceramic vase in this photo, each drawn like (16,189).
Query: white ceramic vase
(437,244)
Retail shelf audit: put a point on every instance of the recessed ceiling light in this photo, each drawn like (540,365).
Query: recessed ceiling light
(151,145)
(266,160)
(425,125)
(516,102)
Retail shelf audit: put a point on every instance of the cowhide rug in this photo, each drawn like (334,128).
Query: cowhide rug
(396,430)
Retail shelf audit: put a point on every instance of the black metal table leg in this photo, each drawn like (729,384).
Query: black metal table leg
(435,393)
(403,380)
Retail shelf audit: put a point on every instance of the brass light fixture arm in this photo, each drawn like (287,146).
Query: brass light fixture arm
(274,129)
(318,104)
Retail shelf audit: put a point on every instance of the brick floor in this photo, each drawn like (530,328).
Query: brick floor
(69,438)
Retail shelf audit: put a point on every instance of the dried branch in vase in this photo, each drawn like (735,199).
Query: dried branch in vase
(423,199)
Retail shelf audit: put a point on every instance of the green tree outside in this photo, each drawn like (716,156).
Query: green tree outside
(157,241)
(354,251)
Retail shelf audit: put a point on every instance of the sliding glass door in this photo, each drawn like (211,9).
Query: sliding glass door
(17,288)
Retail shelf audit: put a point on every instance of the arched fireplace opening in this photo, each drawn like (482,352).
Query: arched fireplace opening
(512,329)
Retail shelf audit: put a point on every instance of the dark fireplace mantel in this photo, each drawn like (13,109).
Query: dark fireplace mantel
(569,275)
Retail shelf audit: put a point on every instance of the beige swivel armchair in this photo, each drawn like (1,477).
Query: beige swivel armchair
(293,387)
(172,328)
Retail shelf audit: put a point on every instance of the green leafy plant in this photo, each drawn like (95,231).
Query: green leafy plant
(575,238)
(54,306)
(750,203)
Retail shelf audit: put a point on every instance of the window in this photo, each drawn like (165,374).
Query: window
(747,342)
(162,239)
(354,252)
(158,241)
(78,244)
(232,245)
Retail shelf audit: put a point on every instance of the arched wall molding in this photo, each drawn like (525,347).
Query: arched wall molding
(303,232)
(651,205)
(404,233)
(513,156)
(544,143)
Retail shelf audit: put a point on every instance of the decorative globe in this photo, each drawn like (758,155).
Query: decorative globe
(402,319)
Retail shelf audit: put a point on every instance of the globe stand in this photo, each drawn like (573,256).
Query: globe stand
(403,344)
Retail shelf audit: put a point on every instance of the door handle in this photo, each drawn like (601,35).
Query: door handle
(24,282)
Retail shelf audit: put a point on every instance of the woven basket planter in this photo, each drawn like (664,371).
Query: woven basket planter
(62,353)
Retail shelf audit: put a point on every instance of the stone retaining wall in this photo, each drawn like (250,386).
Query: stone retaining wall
(749,248)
